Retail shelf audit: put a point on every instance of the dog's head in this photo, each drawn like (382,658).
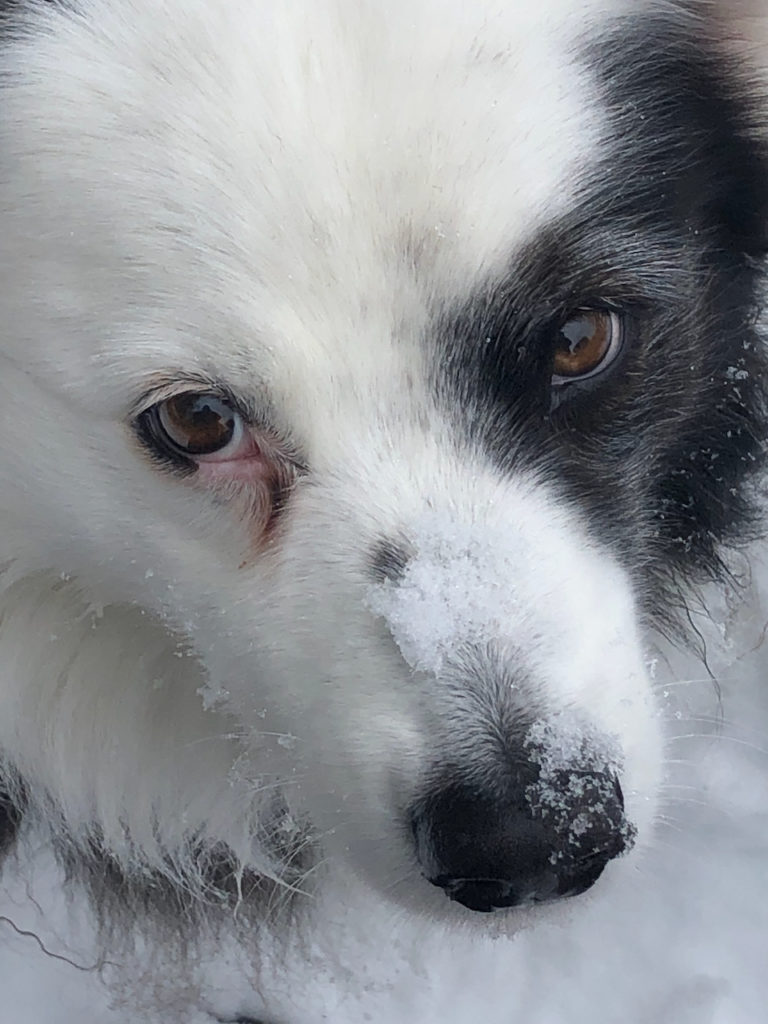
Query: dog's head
(404,360)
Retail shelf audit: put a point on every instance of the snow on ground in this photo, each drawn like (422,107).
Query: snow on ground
(682,939)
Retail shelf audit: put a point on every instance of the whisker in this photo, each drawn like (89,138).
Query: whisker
(725,738)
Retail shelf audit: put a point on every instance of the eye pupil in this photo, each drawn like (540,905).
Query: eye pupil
(197,424)
(584,343)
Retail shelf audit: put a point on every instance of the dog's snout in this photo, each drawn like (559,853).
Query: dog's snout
(530,841)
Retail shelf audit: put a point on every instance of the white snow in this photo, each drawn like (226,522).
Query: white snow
(682,939)
(558,742)
(446,597)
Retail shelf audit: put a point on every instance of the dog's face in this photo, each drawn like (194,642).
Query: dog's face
(403,360)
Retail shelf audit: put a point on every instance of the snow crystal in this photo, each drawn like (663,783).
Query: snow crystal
(578,765)
(212,696)
(563,740)
(735,373)
(446,596)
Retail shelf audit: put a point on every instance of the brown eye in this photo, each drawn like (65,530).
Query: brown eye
(587,343)
(197,424)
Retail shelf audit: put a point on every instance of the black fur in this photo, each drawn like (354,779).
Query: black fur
(242,1020)
(10,8)
(389,559)
(11,816)
(168,907)
(670,227)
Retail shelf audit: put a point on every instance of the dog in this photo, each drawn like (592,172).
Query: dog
(374,380)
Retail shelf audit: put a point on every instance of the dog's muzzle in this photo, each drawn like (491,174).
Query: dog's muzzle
(528,841)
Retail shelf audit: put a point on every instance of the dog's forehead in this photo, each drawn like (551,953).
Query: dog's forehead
(262,187)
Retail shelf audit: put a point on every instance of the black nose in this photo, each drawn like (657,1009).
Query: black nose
(524,844)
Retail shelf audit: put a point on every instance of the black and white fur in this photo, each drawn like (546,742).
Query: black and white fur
(363,224)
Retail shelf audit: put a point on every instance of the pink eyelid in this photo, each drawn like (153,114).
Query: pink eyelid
(244,462)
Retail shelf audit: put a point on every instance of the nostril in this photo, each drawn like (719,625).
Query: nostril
(481,894)
(523,845)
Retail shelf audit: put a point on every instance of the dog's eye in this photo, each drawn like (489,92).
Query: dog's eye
(587,343)
(197,424)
